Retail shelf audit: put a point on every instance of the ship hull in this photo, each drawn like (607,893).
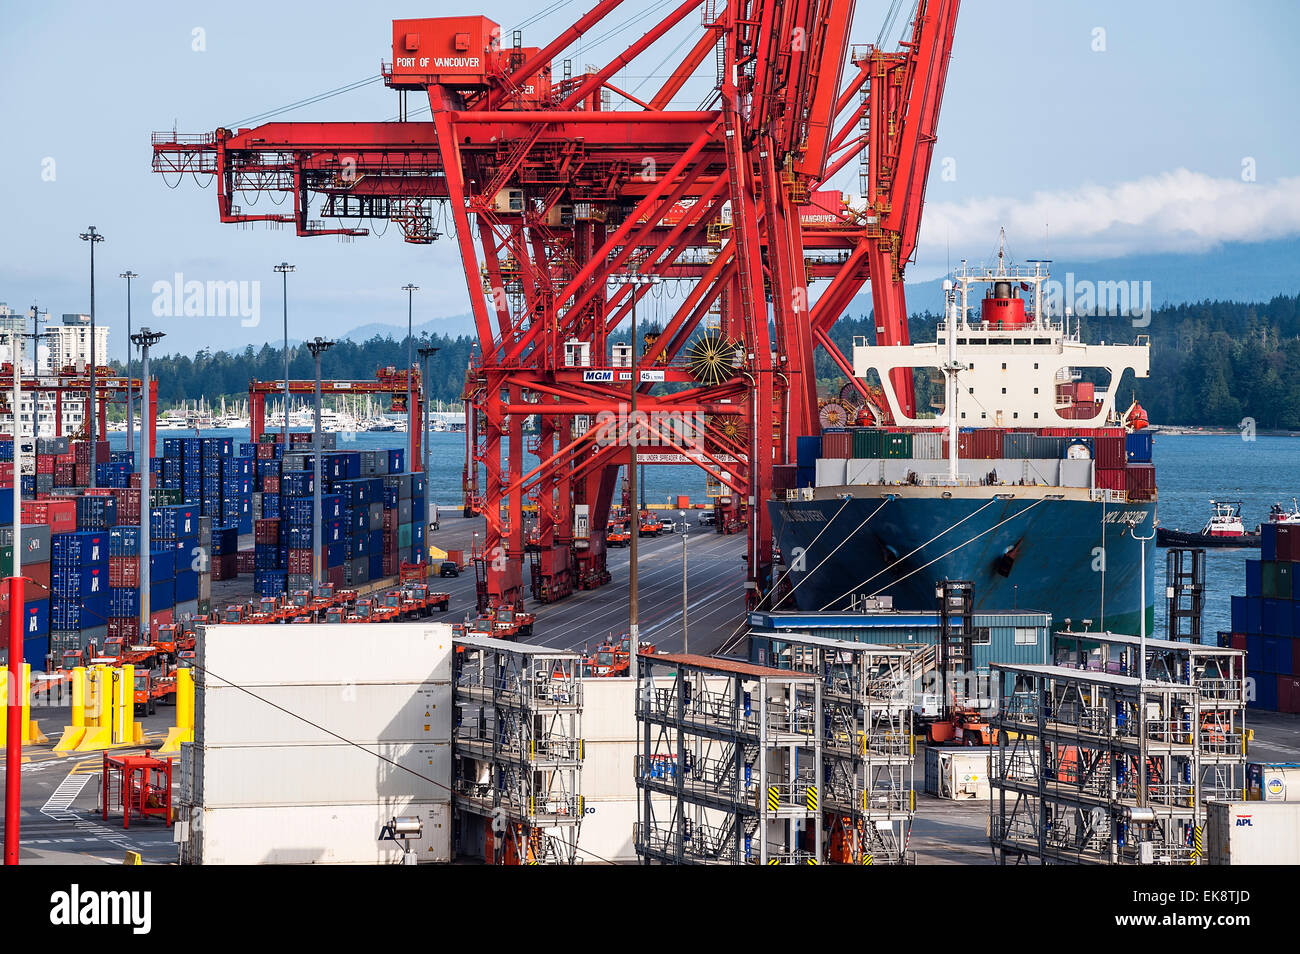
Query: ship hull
(1073,558)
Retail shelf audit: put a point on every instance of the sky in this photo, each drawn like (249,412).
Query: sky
(1095,129)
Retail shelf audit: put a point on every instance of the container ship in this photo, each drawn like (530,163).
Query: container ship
(1029,481)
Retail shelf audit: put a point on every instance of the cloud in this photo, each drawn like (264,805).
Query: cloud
(1177,211)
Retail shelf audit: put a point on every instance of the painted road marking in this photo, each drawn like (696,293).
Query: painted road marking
(68,791)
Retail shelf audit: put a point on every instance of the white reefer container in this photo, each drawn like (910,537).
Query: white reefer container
(310,834)
(275,655)
(1253,833)
(291,715)
(335,774)
(957,773)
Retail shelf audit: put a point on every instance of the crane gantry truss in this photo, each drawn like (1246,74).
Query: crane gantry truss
(552,194)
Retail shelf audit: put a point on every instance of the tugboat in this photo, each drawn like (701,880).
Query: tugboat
(1223,530)
(1279,514)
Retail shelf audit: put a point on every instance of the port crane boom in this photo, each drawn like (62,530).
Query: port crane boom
(550,194)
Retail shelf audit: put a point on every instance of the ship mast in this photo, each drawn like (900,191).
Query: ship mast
(950,371)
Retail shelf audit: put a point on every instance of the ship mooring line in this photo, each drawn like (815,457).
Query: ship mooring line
(912,553)
(960,545)
(729,643)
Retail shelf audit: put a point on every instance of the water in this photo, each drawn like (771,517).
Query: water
(1190,471)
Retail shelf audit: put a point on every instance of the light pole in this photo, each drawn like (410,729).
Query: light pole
(1142,600)
(36,335)
(634,629)
(14,674)
(685,644)
(130,407)
(317,347)
(410,288)
(145,339)
(284,268)
(94,238)
(425,354)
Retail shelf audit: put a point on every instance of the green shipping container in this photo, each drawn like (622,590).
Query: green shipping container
(6,561)
(867,443)
(1285,579)
(898,445)
(1268,573)
(404,536)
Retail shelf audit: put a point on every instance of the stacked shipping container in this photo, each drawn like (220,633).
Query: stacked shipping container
(1123,461)
(1266,621)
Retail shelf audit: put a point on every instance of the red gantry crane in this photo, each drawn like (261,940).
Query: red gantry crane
(560,185)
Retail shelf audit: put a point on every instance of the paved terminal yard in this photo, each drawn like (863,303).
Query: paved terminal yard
(715,569)
(60,817)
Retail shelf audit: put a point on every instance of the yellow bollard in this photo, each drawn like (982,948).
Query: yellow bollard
(27,702)
(124,706)
(99,712)
(79,697)
(73,734)
(183,731)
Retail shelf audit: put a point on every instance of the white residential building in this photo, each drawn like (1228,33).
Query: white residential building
(69,344)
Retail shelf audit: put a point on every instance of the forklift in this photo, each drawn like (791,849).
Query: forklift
(957,722)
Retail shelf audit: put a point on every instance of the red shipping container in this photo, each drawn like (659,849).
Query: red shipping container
(59,515)
(1288,694)
(1110,451)
(1286,542)
(7,472)
(1238,641)
(80,452)
(128,505)
(300,561)
(1083,392)
(123,571)
(245,561)
(335,576)
(1140,481)
(44,464)
(102,452)
(985,443)
(159,617)
(266,451)
(127,627)
(390,521)
(1111,478)
(33,591)
(270,485)
(837,445)
(82,472)
(390,564)
(266,530)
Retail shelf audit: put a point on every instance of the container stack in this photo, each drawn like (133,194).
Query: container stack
(1104,458)
(79,590)
(1266,621)
(36,590)
(372,518)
